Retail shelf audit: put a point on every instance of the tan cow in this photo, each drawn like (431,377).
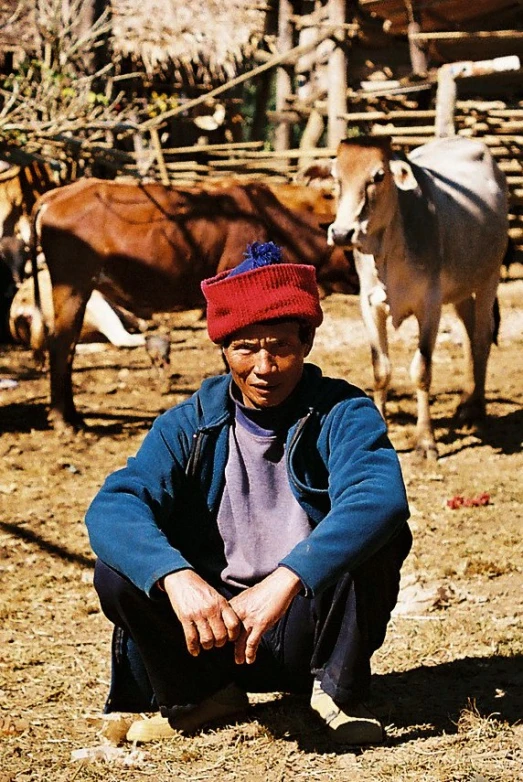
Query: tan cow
(428,230)
(28,327)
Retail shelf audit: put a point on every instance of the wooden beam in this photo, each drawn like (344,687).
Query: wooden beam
(291,153)
(388,130)
(462,36)
(233,146)
(278,59)
(287,116)
(376,116)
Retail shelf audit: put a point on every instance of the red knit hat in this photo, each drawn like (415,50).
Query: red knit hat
(266,290)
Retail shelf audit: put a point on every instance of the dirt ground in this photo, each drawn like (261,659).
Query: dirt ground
(448,680)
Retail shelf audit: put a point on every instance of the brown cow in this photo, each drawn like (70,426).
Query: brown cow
(148,247)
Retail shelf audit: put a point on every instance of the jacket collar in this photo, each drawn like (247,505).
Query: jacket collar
(217,406)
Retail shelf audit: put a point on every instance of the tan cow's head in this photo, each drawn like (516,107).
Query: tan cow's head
(367,175)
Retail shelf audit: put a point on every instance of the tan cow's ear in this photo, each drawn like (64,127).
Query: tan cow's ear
(403,176)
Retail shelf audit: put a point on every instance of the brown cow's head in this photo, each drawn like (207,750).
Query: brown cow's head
(367,176)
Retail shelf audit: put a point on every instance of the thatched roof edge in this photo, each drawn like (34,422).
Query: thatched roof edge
(213,35)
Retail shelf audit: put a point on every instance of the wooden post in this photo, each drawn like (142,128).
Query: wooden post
(445,103)
(418,55)
(144,157)
(88,14)
(282,135)
(447,92)
(311,136)
(337,76)
(164,174)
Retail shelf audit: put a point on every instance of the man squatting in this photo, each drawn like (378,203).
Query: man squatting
(254,543)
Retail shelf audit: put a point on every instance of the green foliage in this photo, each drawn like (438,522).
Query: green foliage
(160,103)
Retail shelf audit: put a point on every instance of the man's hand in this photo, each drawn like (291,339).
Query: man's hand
(260,607)
(207,618)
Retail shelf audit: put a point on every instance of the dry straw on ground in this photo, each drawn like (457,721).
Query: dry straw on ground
(448,679)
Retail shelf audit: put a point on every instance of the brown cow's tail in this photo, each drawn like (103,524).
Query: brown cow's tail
(39,331)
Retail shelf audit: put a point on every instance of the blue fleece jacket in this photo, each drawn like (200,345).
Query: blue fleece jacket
(158,514)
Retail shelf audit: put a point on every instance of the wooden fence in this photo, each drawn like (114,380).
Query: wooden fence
(497,123)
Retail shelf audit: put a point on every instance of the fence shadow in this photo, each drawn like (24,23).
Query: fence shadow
(47,546)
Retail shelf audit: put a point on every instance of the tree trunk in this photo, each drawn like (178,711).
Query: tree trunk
(263,83)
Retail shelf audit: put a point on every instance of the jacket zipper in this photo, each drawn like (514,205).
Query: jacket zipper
(199,437)
(194,456)
(294,440)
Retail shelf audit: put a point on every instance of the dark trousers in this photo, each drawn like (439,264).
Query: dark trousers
(332,637)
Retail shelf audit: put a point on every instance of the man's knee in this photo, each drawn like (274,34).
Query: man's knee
(113,590)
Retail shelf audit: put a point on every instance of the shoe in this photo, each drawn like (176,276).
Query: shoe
(351,725)
(150,729)
(229,703)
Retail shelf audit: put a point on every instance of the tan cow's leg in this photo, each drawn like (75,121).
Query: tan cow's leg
(100,316)
(69,307)
(375,311)
(465,310)
(479,323)
(421,376)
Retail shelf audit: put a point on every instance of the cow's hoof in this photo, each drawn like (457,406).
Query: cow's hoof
(469,413)
(426,453)
(67,426)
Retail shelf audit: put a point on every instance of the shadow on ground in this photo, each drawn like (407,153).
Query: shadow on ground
(421,703)
(45,545)
(23,417)
(502,432)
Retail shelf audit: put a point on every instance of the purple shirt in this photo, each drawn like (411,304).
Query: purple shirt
(259,518)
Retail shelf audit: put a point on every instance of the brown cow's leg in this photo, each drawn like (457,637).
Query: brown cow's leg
(69,307)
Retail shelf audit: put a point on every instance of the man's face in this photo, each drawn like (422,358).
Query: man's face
(266,362)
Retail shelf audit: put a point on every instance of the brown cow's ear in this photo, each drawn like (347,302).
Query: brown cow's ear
(403,175)
(321,170)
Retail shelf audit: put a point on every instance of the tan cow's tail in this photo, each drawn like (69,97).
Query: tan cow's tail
(496,314)
(508,259)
